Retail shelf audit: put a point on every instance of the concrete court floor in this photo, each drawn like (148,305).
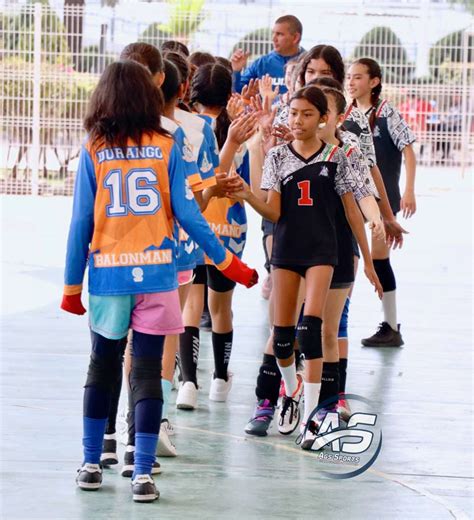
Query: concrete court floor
(423,392)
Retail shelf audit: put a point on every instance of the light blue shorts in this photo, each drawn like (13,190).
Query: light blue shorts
(154,313)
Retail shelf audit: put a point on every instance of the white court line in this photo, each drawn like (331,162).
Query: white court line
(455,512)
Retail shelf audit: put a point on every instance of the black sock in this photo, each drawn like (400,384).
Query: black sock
(189,353)
(342,374)
(115,398)
(268,380)
(329,382)
(222,347)
(131,417)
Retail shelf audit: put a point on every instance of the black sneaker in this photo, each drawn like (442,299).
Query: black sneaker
(109,450)
(384,337)
(89,477)
(206,323)
(144,489)
(129,463)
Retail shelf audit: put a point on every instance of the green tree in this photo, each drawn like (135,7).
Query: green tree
(18,36)
(450,48)
(186,16)
(385,47)
(258,42)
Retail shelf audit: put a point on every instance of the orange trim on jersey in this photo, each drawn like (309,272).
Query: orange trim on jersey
(348,111)
(206,183)
(333,151)
(71,290)
(195,181)
(228,260)
(379,108)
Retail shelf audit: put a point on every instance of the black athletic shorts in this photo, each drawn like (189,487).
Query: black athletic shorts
(298,269)
(268,228)
(211,276)
(355,247)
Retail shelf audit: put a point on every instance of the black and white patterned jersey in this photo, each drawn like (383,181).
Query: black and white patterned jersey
(398,129)
(391,135)
(357,161)
(283,160)
(305,234)
(356,122)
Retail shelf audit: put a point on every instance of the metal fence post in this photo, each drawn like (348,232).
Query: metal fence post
(464,110)
(35,144)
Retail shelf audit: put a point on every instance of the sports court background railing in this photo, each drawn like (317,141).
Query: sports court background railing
(49,68)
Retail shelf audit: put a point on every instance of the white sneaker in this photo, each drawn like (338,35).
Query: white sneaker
(187,396)
(122,426)
(165,447)
(289,415)
(220,388)
(169,427)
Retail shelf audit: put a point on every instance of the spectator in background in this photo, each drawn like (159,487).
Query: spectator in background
(415,111)
(286,38)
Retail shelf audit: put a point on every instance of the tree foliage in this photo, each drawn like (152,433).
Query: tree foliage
(385,47)
(258,42)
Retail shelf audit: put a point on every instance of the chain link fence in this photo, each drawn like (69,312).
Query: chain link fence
(49,67)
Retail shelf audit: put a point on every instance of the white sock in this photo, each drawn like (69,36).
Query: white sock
(289,376)
(389,305)
(311,398)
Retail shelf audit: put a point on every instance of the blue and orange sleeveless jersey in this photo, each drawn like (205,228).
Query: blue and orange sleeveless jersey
(122,226)
(227,217)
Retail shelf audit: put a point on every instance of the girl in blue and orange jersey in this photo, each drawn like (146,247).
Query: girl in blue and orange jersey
(210,91)
(130,187)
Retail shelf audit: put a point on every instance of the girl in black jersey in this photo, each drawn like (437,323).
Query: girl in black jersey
(344,272)
(304,180)
(326,60)
(393,139)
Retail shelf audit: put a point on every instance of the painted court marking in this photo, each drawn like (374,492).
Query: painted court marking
(455,512)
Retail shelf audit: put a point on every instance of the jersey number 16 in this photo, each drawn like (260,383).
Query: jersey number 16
(142,197)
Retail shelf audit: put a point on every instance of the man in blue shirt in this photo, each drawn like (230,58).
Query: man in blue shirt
(286,37)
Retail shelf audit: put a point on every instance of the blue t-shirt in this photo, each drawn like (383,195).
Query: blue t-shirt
(272,63)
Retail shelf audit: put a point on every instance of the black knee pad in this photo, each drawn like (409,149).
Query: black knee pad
(105,365)
(145,378)
(309,337)
(283,341)
(384,271)
(268,380)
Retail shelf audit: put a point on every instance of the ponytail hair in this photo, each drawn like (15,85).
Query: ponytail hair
(374,71)
(313,95)
(212,87)
(172,82)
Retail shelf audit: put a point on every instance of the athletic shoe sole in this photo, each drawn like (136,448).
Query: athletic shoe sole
(382,345)
(89,486)
(109,459)
(146,498)
(185,406)
(127,471)
(256,433)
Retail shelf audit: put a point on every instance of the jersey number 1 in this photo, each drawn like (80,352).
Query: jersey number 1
(305,189)
(142,198)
